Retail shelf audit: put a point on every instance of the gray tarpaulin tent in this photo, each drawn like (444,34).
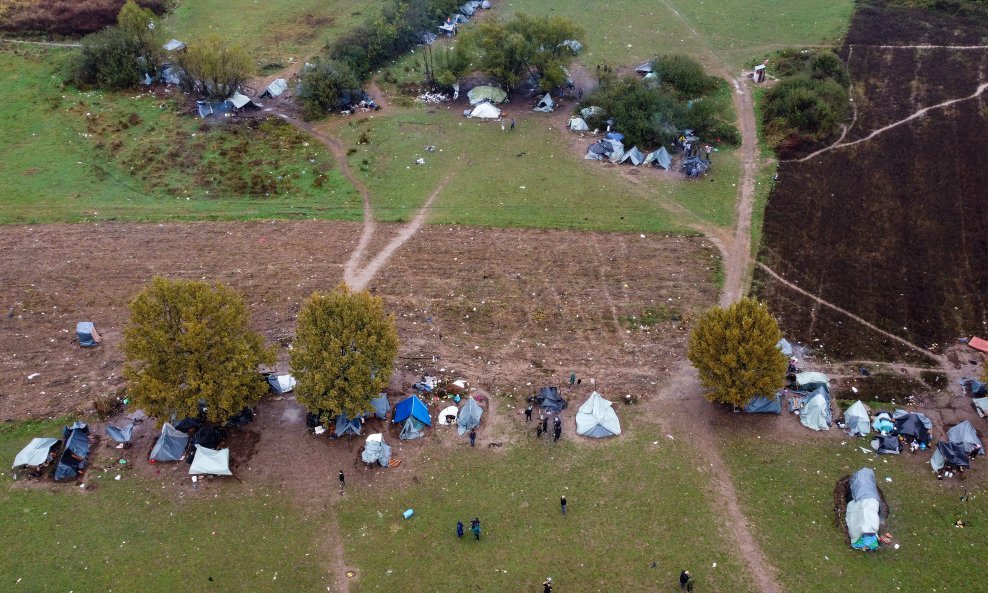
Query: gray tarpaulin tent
(634,155)
(811,381)
(75,454)
(965,435)
(596,418)
(120,435)
(764,405)
(469,416)
(591,111)
(981,405)
(35,453)
(912,425)
(277,87)
(659,158)
(862,516)
(281,384)
(412,429)
(171,444)
(546,104)
(951,453)
(381,405)
(211,462)
(815,414)
(857,419)
(345,426)
(550,401)
(376,451)
(87,334)
(578,124)
(886,444)
(784,347)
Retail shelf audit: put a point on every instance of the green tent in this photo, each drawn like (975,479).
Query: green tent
(479,94)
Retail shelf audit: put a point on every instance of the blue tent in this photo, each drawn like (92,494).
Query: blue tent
(86,332)
(75,455)
(412,406)
(381,405)
(764,405)
(346,426)
(120,435)
(615,136)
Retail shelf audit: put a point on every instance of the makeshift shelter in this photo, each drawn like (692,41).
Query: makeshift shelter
(614,136)
(978,344)
(546,104)
(412,429)
(634,155)
(381,405)
(457,18)
(862,517)
(486,5)
(447,417)
(469,417)
(784,346)
(36,454)
(281,384)
(239,101)
(170,446)
(912,426)
(170,74)
(120,435)
(210,462)
(448,29)
(347,426)
(965,435)
(427,37)
(857,419)
(948,453)
(485,111)
(644,68)
(695,166)
(550,401)
(376,451)
(596,418)
(981,405)
(174,45)
(87,334)
(591,111)
(811,381)
(578,124)
(886,445)
(977,387)
(659,158)
(412,407)
(764,405)
(278,86)
(490,94)
(573,45)
(469,8)
(75,454)
(883,423)
(815,414)
(205,108)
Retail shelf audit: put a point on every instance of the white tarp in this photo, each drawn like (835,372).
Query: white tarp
(210,461)
(857,420)
(174,45)
(446,413)
(815,413)
(274,89)
(239,101)
(596,418)
(862,517)
(485,111)
(35,453)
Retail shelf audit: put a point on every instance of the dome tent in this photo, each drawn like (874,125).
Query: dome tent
(469,417)
(596,418)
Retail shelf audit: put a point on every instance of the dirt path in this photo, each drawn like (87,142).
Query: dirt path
(41,43)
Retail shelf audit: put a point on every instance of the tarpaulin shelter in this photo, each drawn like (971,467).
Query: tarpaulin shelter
(412,429)
(412,407)
(545,104)
(486,5)
(614,136)
(75,454)
(457,18)
(173,45)
(376,451)
(695,166)
(120,435)
(596,418)
(977,387)
(634,155)
(862,517)
(37,453)
(550,401)
(211,462)
(886,444)
(490,94)
(578,124)
(280,85)
(784,347)
(381,405)
(282,384)
(659,158)
(981,405)
(171,444)
(346,426)
(949,453)
(883,423)
(485,111)
(591,111)
(911,425)
(857,419)
(644,68)
(239,101)
(86,332)
(469,8)
(573,45)
(815,414)
(447,417)
(810,381)
(469,417)
(965,435)
(764,405)
(606,148)
(170,74)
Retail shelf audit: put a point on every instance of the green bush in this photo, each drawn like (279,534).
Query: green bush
(805,107)
(685,75)
(322,86)
(108,59)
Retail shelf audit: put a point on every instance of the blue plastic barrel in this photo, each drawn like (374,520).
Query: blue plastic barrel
(408,513)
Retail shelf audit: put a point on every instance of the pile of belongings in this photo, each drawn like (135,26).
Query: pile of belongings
(695,166)
(376,451)
(857,420)
(886,444)
(862,517)
(75,452)
(913,428)
(468,417)
(432,98)
(974,387)
(883,423)
(596,418)
(765,405)
(608,148)
(550,401)
(37,455)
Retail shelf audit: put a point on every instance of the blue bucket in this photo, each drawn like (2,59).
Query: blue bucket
(408,513)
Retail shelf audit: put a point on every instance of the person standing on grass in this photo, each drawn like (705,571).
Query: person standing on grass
(473,436)
(342,482)
(545,422)
(547,585)
(538,431)
(558,433)
(562,503)
(512,124)
(528,413)
(684,577)
(475,528)
(459,529)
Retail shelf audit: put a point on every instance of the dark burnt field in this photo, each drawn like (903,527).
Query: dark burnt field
(895,228)
(65,17)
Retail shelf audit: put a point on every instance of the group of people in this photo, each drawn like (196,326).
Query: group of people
(543,425)
(474,528)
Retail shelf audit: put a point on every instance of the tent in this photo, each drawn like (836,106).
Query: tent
(240,101)
(210,461)
(644,68)
(381,405)
(75,453)
(981,405)
(490,94)
(549,400)
(634,155)
(977,387)
(912,425)
(469,417)
(413,407)
(764,405)
(120,435)
(170,74)
(412,429)
(596,418)
(815,414)
(447,417)
(546,104)
(857,420)
(485,111)
(281,384)
(170,446)
(883,423)
(862,518)
(277,87)
(87,334)
(951,453)
(469,8)
(784,347)
(345,426)
(812,381)
(173,45)
(886,445)
(486,5)
(591,111)
(965,435)
(578,124)
(659,158)
(376,451)
(36,453)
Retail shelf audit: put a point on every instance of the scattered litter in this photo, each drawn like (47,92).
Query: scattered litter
(714,565)
(888,479)
(896,546)
(432,98)
(32,376)
(669,436)
(117,478)
(195,479)
(420,161)
(320,429)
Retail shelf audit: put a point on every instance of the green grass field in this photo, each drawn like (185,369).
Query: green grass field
(787,493)
(71,156)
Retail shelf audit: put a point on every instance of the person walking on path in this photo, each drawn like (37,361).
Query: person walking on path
(459,529)
(547,585)
(475,528)
(473,436)
(562,503)
(512,124)
(342,482)
(684,577)
(545,422)
(528,413)
(558,433)
(538,431)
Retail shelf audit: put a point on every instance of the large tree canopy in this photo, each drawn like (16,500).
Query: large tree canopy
(189,342)
(734,351)
(344,351)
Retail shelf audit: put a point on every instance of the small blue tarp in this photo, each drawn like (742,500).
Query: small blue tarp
(413,407)
(615,136)
(86,332)
(346,426)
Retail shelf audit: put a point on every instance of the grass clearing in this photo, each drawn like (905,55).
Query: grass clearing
(131,535)
(787,493)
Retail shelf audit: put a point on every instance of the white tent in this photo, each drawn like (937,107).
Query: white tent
(857,419)
(815,413)
(485,111)
(239,101)
(447,416)
(210,461)
(275,88)
(281,383)
(36,452)
(596,418)
(546,104)
(578,124)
